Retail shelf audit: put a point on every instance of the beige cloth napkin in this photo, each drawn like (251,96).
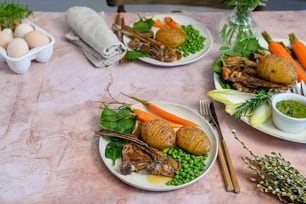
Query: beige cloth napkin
(90,32)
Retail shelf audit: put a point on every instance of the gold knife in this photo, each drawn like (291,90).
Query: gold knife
(226,152)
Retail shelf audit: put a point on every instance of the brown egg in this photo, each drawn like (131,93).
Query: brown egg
(17,47)
(36,39)
(5,38)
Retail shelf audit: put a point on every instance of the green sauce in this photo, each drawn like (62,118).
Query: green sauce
(292,108)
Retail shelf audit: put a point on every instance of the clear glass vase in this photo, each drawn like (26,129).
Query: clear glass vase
(238,25)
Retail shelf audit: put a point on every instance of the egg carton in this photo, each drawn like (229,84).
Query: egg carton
(22,64)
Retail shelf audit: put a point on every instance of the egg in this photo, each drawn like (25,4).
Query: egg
(5,38)
(36,39)
(22,29)
(17,47)
(9,31)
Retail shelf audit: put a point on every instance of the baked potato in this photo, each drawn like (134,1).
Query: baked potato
(276,68)
(171,37)
(193,140)
(158,133)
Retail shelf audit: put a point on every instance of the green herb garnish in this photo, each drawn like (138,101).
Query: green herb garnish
(122,121)
(243,47)
(250,105)
(11,13)
(143,26)
(135,54)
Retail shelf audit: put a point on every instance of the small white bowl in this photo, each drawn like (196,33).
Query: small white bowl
(284,122)
(22,64)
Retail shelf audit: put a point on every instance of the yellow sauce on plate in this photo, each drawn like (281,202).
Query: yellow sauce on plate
(158,179)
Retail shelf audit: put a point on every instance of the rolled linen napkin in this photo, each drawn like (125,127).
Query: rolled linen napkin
(98,42)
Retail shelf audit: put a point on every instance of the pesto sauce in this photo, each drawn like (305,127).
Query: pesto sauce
(292,108)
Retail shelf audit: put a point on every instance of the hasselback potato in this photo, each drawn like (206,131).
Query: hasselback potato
(171,37)
(276,68)
(158,133)
(193,140)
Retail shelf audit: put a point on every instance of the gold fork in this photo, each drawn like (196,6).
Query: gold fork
(228,171)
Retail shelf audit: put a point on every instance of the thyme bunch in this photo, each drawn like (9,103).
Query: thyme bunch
(275,175)
(250,105)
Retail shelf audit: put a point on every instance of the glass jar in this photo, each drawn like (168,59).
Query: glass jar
(238,25)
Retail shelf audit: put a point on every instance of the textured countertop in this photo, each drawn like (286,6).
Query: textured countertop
(48,116)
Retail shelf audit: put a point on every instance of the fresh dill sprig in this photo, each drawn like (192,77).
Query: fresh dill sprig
(250,105)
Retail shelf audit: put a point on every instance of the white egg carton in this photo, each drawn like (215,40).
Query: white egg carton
(22,64)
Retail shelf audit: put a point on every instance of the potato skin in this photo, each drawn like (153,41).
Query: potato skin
(158,133)
(276,68)
(193,140)
(171,37)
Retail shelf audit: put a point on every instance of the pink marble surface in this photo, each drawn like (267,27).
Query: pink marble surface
(48,151)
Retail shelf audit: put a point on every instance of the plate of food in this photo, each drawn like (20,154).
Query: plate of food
(142,179)
(173,56)
(267,127)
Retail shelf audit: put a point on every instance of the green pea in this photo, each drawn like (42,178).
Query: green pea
(192,166)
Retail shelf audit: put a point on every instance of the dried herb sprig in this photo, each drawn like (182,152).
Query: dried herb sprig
(276,175)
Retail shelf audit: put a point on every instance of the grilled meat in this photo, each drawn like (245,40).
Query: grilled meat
(242,74)
(146,157)
(248,80)
(133,159)
(238,60)
(154,48)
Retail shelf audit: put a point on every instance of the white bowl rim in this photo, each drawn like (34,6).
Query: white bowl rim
(288,96)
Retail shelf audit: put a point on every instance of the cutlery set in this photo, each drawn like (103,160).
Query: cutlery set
(207,110)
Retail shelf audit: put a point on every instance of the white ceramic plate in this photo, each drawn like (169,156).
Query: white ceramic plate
(268,127)
(182,20)
(140,180)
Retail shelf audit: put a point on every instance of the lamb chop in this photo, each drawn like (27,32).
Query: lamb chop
(241,72)
(248,80)
(133,159)
(143,42)
(140,156)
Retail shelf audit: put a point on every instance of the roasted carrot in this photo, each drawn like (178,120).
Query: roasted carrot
(164,114)
(158,24)
(145,116)
(276,48)
(171,23)
(299,49)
